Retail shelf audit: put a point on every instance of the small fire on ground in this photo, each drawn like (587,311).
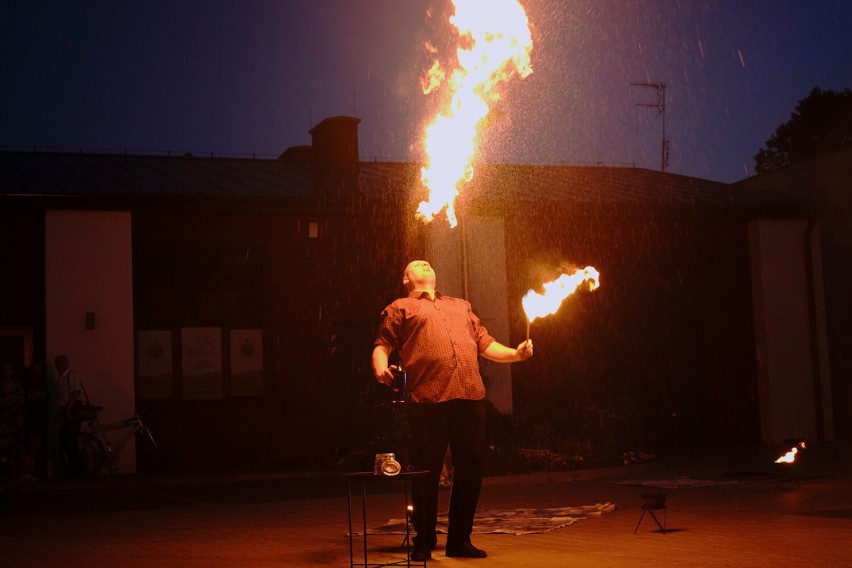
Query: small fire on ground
(790,456)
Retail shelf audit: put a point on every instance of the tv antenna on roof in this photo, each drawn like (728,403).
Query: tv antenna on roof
(660,105)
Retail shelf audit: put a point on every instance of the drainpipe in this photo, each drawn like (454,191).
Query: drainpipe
(465,263)
(812,316)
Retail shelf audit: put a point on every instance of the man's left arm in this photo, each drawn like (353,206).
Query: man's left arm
(499,353)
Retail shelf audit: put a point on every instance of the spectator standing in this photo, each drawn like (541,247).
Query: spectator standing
(36,422)
(69,430)
(11,423)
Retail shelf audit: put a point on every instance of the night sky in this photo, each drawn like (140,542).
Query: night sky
(252,77)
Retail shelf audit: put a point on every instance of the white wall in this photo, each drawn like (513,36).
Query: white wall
(790,335)
(89,269)
(477,269)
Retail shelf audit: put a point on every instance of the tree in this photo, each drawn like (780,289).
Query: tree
(820,123)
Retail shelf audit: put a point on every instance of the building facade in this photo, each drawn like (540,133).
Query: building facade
(237,298)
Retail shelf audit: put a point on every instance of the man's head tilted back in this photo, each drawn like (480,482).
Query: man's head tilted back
(419,275)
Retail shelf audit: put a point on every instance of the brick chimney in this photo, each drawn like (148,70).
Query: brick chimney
(335,156)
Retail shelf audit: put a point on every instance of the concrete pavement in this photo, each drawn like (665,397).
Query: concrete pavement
(748,514)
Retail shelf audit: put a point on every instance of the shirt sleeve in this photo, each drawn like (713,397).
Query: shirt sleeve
(389,326)
(480,334)
(73,382)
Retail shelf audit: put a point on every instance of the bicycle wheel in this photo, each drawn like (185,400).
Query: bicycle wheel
(91,454)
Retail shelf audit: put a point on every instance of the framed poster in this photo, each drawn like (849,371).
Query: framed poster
(155,379)
(201,357)
(246,362)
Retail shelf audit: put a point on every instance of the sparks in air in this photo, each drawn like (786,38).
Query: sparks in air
(494,44)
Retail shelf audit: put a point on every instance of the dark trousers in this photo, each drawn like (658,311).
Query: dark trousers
(69,431)
(461,425)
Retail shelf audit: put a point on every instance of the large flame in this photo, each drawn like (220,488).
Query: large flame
(494,44)
(539,305)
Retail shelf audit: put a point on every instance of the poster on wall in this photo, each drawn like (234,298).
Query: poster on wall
(156,379)
(246,362)
(201,351)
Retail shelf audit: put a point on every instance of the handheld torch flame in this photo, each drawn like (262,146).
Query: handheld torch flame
(494,44)
(539,305)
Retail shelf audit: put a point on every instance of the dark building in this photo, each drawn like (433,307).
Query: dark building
(238,297)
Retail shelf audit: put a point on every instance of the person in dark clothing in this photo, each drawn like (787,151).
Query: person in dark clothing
(11,425)
(69,389)
(36,422)
(439,339)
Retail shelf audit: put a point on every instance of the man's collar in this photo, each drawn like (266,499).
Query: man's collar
(421,293)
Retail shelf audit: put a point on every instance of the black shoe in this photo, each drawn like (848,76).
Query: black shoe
(465,550)
(433,541)
(421,554)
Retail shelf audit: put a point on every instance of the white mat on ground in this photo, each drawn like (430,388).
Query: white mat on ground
(513,521)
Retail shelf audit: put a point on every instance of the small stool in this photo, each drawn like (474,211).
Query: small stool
(653,502)
(359,480)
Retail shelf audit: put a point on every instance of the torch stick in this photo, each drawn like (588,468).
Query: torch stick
(528,329)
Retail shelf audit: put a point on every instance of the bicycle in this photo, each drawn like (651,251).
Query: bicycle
(96,449)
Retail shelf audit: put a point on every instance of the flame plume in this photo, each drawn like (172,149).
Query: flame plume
(494,44)
(539,305)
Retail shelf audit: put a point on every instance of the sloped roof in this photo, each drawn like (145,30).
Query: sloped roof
(49,173)
(115,175)
(614,185)
(587,185)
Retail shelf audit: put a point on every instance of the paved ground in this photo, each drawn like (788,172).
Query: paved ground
(749,515)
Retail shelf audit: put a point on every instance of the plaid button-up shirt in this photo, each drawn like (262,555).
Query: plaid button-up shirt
(439,342)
